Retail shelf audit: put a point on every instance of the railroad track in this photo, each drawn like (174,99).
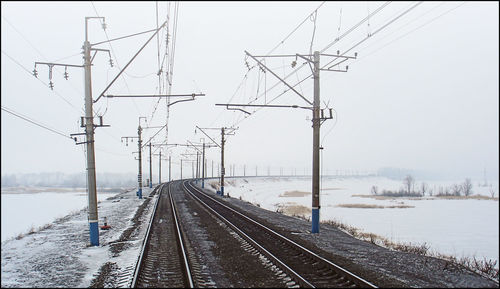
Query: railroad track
(306,268)
(163,261)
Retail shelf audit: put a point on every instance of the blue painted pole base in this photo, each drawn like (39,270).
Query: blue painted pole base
(222,191)
(315,221)
(139,193)
(151,185)
(202,184)
(94,233)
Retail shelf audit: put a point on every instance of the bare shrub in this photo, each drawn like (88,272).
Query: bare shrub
(374,190)
(492,191)
(456,190)
(408,182)
(421,249)
(467,187)
(423,188)
(484,267)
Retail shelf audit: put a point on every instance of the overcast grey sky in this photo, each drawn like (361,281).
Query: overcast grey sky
(422,94)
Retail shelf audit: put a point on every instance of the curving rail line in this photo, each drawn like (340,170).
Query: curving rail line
(306,268)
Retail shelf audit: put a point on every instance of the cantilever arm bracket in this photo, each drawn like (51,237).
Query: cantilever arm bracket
(227,107)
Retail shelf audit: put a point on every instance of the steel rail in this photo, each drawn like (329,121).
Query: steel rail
(146,240)
(181,242)
(253,242)
(178,237)
(299,278)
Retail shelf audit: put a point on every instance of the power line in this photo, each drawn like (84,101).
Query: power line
(418,27)
(116,59)
(336,40)
(38,51)
(271,51)
(29,72)
(33,122)
(328,46)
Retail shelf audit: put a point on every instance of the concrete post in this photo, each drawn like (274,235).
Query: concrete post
(139,177)
(316,136)
(203,167)
(222,164)
(150,168)
(89,130)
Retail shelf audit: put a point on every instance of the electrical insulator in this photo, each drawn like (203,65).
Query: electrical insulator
(111,62)
(104,25)
(338,52)
(294,63)
(35,73)
(51,85)
(346,67)
(66,73)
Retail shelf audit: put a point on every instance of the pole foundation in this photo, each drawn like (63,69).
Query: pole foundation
(94,233)
(315,221)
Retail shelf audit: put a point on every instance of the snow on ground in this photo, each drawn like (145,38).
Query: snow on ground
(60,256)
(43,205)
(462,228)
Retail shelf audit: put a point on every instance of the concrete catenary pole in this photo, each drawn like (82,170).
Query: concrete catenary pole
(150,167)
(159,169)
(203,167)
(222,172)
(181,169)
(169,168)
(139,176)
(316,135)
(89,130)
(197,166)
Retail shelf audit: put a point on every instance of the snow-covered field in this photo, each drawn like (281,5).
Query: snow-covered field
(24,208)
(59,255)
(456,227)
(462,228)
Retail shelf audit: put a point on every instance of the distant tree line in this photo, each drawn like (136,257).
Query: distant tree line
(408,189)
(76,180)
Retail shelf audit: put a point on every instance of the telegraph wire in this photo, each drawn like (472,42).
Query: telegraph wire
(33,122)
